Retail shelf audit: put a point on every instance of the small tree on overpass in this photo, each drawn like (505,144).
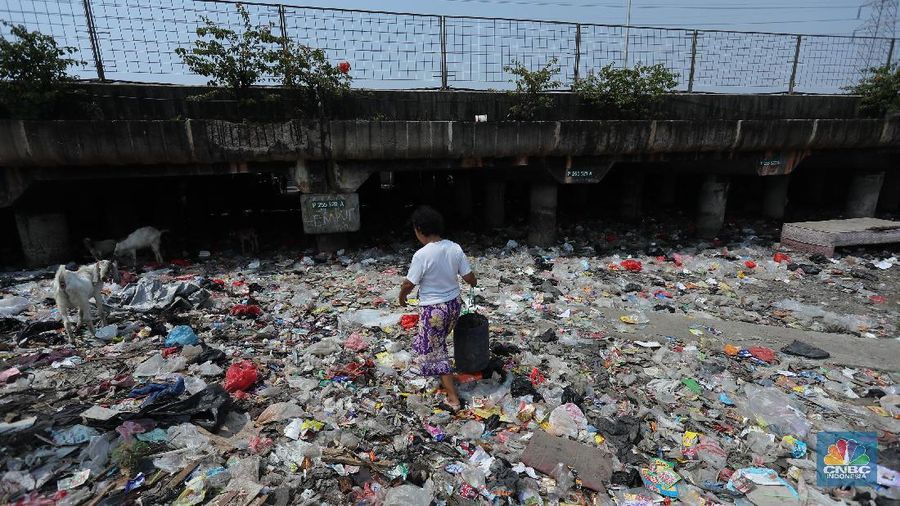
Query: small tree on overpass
(626,91)
(232,60)
(879,89)
(33,72)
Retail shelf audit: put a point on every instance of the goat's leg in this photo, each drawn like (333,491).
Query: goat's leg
(98,297)
(155,247)
(63,308)
(85,311)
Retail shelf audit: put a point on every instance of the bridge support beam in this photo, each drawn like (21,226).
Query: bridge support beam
(542,219)
(494,204)
(775,197)
(862,199)
(711,205)
(632,196)
(44,237)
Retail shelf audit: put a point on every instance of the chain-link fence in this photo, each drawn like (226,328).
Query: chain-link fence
(135,40)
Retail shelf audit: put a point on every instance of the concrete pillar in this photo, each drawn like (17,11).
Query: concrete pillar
(775,196)
(889,201)
(542,219)
(711,205)
(44,237)
(494,204)
(862,199)
(632,196)
(329,243)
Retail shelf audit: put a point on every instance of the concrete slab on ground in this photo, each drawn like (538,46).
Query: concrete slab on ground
(845,349)
(824,236)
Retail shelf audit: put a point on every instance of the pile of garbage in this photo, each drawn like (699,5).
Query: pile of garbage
(285,380)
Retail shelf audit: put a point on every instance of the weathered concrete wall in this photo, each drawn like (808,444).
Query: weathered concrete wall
(133,101)
(130,143)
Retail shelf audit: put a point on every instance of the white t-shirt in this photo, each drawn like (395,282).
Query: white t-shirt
(435,268)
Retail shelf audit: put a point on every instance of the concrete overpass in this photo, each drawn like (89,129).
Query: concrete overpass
(155,131)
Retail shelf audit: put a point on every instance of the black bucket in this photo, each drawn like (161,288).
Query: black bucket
(471,343)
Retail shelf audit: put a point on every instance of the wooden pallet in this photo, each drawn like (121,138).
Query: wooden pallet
(824,236)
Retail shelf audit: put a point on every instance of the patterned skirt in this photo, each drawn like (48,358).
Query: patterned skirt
(436,322)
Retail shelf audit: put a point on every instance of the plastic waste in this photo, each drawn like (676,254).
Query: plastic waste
(775,409)
(240,376)
(74,435)
(566,420)
(11,306)
(181,335)
(472,430)
(407,495)
(206,409)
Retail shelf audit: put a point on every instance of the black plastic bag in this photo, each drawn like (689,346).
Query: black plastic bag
(206,409)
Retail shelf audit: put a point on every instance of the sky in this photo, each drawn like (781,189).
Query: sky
(834,17)
(137,38)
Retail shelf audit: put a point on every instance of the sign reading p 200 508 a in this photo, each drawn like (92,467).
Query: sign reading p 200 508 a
(329,213)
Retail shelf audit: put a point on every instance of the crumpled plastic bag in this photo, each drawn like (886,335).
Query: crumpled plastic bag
(181,335)
(11,306)
(246,310)
(631,265)
(155,391)
(240,376)
(356,342)
(566,420)
(206,409)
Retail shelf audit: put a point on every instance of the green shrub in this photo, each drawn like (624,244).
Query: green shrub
(308,71)
(879,89)
(233,60)
(33,73)
(626,91)
(530,98)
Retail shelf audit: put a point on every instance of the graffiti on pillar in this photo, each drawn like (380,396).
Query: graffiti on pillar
(329,213)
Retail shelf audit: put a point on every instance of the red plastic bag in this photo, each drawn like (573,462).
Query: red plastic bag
(180,262)
(762,353)
(409,321)
(536,377)
(631,265)
(171,350)
(250,310)
(750,264)
(877,299)
(240,376)
(781,257)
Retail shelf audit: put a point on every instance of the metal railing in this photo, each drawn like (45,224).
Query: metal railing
(135,40)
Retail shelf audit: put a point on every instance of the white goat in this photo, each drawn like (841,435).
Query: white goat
(144,237)
(75,289)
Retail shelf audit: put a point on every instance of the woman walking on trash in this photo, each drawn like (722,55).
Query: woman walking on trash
(435,267)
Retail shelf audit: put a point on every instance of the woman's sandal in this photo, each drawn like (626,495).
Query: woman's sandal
(449,407)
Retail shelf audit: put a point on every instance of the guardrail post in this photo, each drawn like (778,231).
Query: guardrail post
(577,49)
(443,24)
(95,43)
(693,61)
(794,69)
(891,52)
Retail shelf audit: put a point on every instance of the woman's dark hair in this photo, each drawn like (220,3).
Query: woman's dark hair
(428,221)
